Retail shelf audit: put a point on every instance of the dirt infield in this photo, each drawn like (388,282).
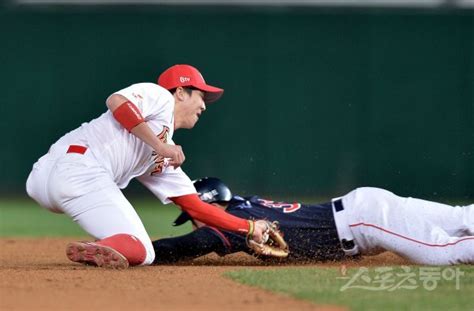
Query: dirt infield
(36,275)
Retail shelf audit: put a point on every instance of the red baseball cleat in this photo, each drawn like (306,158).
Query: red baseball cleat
(90,253)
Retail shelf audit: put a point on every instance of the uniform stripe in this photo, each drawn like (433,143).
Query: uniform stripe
(410,239)
(223,237)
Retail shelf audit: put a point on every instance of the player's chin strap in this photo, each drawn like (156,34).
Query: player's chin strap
(273,244)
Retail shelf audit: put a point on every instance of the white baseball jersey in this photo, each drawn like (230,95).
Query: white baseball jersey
(86,186)
(124,155)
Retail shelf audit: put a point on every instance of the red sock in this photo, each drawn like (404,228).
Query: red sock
(127,245)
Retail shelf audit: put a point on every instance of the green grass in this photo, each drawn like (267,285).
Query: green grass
(23,217)
(325,286)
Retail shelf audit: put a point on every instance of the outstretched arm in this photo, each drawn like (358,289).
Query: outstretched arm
(216,217)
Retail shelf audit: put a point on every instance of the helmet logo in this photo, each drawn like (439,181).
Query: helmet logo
(208,196)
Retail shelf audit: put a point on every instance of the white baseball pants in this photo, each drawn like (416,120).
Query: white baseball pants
(75,184)
(422,231)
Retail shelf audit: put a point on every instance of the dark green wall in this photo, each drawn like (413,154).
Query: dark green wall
(317,102)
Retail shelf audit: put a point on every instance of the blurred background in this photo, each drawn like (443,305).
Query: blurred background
(320,96)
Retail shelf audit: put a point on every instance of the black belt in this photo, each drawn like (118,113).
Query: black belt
(345,244)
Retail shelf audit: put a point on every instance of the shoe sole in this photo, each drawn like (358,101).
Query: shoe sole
(96,255)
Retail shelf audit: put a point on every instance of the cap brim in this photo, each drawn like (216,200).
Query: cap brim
(211,93)
(182,218)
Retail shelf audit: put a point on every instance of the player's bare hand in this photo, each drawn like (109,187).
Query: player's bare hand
(174,153)
(260,233)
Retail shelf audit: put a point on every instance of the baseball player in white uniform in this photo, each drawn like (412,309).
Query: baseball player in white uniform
(426,232)
(366,221)
(83,172)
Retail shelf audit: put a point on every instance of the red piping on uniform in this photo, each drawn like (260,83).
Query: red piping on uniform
(410,239)
(226,241)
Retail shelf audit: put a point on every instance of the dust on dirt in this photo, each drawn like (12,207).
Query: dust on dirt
(36,275)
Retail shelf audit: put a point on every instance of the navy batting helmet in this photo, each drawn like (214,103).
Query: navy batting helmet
(210,190)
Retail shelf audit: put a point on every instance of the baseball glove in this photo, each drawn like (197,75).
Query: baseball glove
(273,245)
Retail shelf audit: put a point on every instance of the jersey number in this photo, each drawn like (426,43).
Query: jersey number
(287,207)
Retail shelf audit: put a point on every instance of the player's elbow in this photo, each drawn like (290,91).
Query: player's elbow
(114,101)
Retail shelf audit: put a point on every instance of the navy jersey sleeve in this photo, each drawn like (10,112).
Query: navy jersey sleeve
(200,242)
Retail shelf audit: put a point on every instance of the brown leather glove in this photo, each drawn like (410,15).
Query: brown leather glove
(273,244)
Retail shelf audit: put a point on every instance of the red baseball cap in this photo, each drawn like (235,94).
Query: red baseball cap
(186,75)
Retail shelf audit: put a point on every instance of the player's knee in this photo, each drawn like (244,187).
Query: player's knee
(36,190)
(29,187)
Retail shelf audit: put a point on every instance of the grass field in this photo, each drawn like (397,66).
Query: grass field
(373,289)
(368,291)
(23,217)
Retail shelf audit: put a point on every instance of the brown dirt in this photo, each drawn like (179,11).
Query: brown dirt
(36,275)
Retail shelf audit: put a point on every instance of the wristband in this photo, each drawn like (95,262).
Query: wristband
(251,228)
(128,115)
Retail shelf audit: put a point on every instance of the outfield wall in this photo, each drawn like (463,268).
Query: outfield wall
(317,101)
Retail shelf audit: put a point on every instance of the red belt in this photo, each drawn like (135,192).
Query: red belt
(76,149)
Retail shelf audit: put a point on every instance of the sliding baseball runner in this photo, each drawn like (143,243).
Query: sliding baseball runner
(366,221)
